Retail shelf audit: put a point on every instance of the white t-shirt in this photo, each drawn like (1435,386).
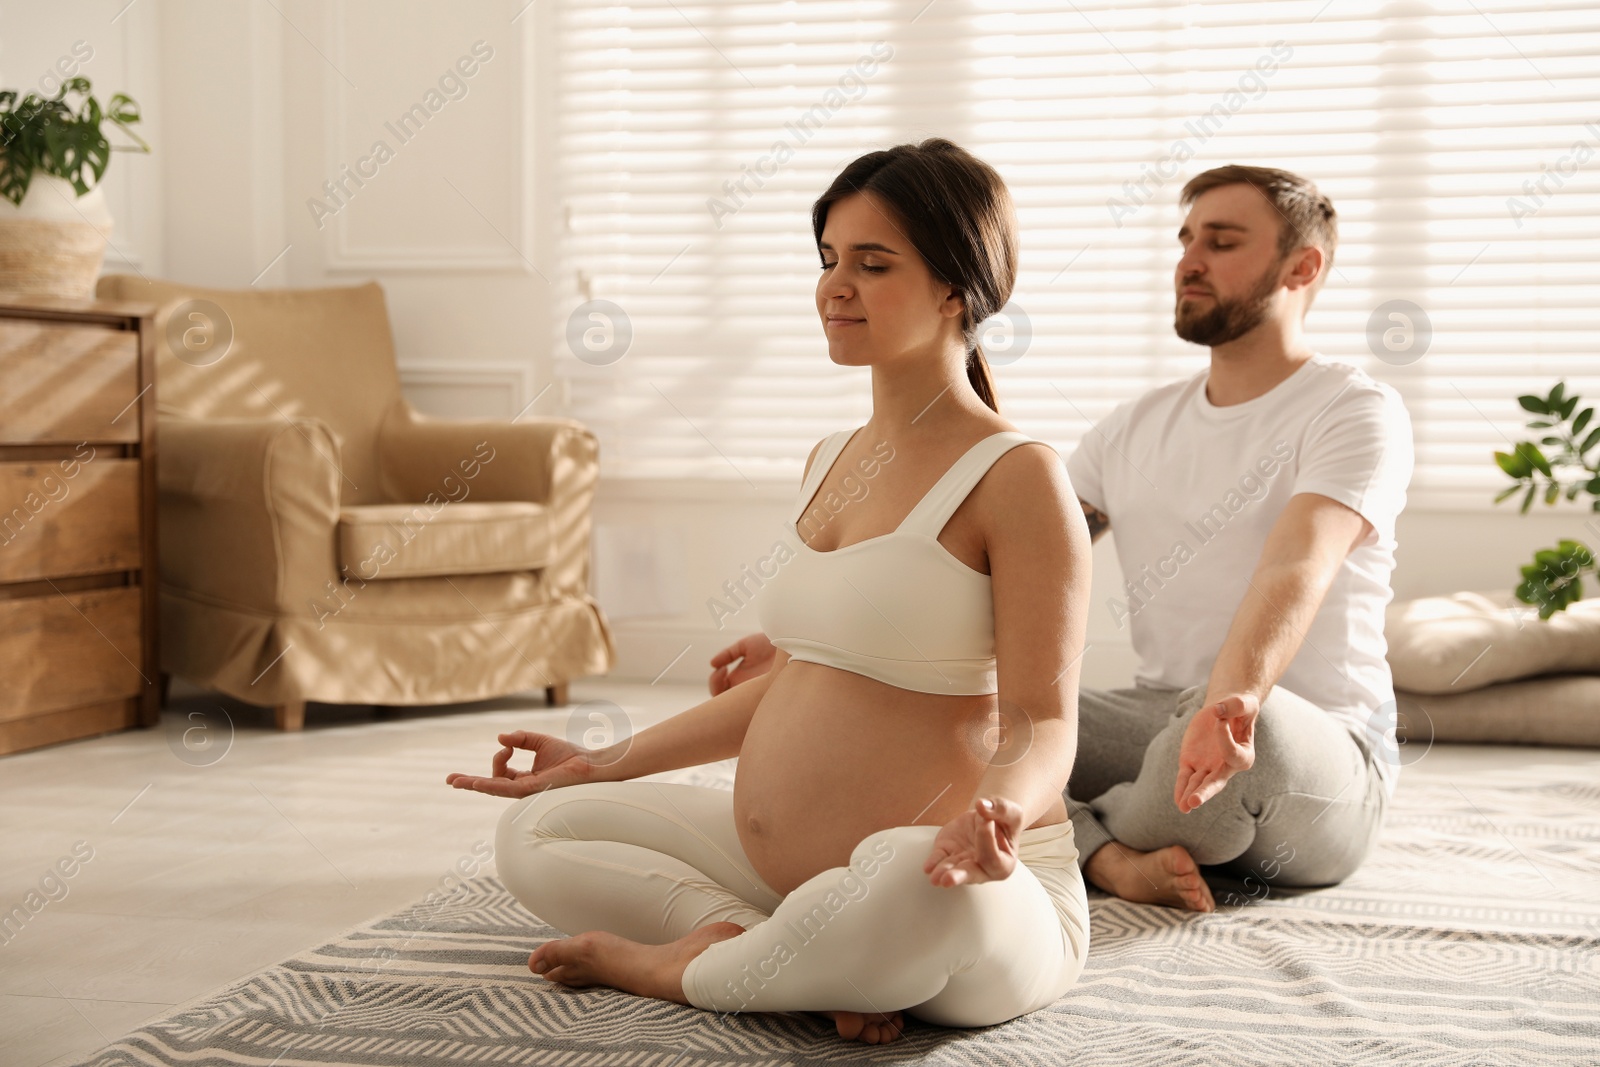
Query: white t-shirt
(1192,490)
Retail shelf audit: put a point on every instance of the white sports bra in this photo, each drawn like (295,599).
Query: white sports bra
(897,607)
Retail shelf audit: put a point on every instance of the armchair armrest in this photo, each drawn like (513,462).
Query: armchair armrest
(535,459)
(249,509)
(549,461)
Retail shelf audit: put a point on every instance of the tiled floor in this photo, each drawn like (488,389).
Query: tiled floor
(201,875)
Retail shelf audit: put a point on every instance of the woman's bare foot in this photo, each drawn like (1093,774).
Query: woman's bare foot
(872,1027)
(600,958)
(1166,876)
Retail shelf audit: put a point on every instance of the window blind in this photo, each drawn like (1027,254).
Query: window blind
(1459,141)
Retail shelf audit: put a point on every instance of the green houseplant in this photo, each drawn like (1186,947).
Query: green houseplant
(1555,577)
(54,223)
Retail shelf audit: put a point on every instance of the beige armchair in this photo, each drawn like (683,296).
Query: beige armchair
(322,541)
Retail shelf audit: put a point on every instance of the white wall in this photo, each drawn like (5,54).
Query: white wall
(250,108)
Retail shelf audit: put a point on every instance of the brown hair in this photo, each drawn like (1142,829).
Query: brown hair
(1308,216)
(957,213)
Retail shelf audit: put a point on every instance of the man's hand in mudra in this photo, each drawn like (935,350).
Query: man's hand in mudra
(1219,743)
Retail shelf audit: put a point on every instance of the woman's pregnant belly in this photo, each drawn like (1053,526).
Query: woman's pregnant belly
(832,756)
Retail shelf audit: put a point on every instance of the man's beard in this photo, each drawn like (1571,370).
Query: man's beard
(1228,320)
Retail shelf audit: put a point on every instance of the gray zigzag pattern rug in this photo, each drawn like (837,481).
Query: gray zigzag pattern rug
(1471,937)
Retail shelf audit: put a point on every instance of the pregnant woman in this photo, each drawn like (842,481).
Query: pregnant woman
(896,840)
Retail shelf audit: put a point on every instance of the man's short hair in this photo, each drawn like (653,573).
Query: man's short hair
(1308,216)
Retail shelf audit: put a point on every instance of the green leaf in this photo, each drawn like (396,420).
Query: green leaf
(1568,406)
(123,109)
(1534,404)
(1590,441)
(1556,393)
(1553,579)
(59,135)
(1581,421)
(1527,501)
(1540,424)
(1552,493)
(1531,451)
(1576,550)
(1507,491)
(1514,464)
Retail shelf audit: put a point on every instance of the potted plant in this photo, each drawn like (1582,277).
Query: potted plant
(1554,579)
(54,222)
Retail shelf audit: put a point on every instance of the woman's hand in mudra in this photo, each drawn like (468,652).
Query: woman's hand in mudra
(556,762)
(749,657)
(979,845)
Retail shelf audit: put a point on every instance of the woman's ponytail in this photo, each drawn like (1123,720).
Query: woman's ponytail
(978,374)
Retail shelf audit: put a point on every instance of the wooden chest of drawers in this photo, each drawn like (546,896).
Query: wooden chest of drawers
(77,520)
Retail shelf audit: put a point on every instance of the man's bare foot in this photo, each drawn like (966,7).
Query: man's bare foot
(872,1027)
(1166,876)
(600,958)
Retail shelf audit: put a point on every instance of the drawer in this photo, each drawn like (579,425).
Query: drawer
(52,727)
(68,650)
(69,516)
(67,383)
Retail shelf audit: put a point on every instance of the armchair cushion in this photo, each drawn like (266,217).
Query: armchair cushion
(550,461)
(378,541)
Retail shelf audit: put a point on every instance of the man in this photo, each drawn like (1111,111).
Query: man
(1252,506)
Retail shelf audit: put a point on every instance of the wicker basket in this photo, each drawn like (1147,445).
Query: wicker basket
(55,243)
(44,257)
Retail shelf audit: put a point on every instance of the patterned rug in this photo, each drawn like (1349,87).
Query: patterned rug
(1470,937)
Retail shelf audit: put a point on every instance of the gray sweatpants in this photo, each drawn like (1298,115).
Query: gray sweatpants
(1305,814)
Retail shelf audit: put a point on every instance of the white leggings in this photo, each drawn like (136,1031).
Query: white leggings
(652,861)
